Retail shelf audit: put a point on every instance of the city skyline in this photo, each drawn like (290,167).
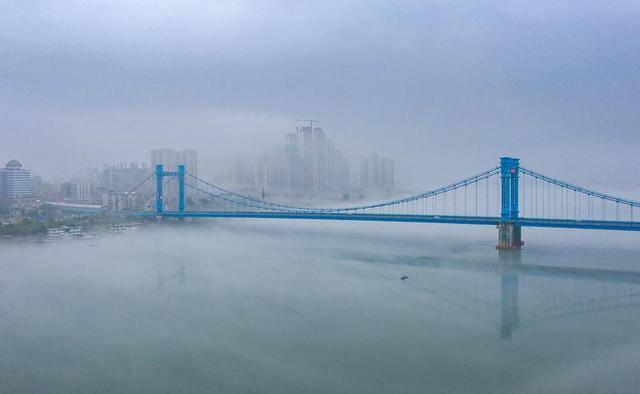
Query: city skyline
(408,81)
(308,163)
(324,172)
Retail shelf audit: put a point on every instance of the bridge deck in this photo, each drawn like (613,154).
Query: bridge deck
(478,220)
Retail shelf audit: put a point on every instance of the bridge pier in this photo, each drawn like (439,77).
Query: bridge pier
(509,236)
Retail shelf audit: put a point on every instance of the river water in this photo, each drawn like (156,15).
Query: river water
(319,307)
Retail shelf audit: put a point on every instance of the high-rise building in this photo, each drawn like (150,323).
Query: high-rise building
(240,173)
(315,165)
(295,167)
(15,182)
(370,172)
(38,187)
(189,158)
(170,159)
(309,165)
(167,157)
(342,171)
(377,174)
(77,191)
(387,175)
(122,177)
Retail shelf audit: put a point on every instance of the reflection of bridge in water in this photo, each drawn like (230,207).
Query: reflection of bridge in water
(523,294)
(581,291)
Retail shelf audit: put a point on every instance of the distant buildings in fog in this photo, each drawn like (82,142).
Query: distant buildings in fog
(377,174)
(170,160)
(314,165)
(76,191)
(121,177)
(110,185)
(309,165)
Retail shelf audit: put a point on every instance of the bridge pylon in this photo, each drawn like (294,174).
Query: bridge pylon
(509,234)
(181,188)
(160,174)
(159,177)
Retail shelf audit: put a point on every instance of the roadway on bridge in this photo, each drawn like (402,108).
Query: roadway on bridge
(402,218)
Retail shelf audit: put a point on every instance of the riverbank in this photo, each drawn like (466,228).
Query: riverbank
(30,228)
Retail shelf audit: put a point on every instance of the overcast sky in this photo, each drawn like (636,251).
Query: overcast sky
(445,87)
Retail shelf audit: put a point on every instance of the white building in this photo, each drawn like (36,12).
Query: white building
(15,182)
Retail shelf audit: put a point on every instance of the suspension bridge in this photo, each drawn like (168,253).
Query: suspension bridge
(507,196)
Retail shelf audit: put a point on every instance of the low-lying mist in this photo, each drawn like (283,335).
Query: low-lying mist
(277,306)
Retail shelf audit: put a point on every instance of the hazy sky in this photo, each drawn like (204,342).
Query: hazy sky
(434,84)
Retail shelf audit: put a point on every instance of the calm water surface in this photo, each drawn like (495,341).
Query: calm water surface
(260,307)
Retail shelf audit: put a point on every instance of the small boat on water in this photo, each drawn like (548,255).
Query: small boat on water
(403,277)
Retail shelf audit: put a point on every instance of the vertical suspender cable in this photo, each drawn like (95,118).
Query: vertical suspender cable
(465,199)
(476,195)
(524,194)
(487,201)
(455,192)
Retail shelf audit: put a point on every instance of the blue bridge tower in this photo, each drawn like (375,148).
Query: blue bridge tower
(509,234)
(160,174)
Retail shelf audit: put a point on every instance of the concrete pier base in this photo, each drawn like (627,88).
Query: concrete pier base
(509,236)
